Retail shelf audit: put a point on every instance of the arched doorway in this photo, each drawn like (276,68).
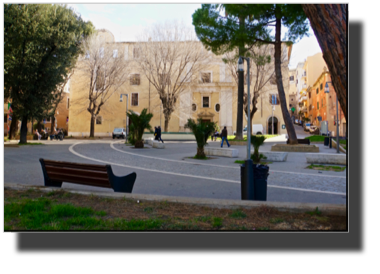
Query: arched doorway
(275,125)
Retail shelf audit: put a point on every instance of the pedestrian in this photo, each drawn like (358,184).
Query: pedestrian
(155,133)
(216,134)
(224,137)
(159,134)
(38,134)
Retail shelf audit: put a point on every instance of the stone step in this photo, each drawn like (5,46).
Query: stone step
(224,152)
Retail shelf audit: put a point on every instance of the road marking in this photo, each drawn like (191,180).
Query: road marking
(71,149)
(202,164)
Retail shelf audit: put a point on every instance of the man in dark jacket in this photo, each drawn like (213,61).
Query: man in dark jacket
(224,137)
(159,134)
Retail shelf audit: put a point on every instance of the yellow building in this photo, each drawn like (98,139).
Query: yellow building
(212,98)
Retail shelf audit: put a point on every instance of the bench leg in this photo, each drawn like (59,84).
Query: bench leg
(53,183)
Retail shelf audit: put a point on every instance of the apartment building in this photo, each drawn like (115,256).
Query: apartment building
(293,103)
(212,97)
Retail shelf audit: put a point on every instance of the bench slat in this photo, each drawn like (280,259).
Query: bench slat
(85,180)
(76,171)
(74,165)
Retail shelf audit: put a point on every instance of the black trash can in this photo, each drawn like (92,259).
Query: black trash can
(260,174)
(246,180)
(327,139)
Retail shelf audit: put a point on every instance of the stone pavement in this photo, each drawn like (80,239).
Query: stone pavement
(172,171)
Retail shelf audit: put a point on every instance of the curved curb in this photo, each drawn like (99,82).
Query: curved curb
(325,209)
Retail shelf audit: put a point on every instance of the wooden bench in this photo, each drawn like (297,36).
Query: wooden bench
(301,141)
(56,172)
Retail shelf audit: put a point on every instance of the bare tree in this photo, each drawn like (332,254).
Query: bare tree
(262,72)
(105,71)
(171,59)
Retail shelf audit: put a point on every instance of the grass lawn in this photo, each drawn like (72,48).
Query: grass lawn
(30,144)
(243,161)
(60,210)
(328,168)
(232,137)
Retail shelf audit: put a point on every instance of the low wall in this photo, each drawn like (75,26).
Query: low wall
(275,156)
(295,148)
(326,158)
(224,152)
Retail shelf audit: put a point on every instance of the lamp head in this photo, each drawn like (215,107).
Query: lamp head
(240,66)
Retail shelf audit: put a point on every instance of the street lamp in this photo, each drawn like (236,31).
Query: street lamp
(247,183)
(126,120)
(327,90)
(239,118)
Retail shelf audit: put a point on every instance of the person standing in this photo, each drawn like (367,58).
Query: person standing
(224,137)
(38,135)
(159,134)
(155,133)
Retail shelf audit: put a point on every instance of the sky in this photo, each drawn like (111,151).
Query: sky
(126,21)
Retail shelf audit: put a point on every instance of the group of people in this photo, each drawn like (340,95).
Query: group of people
(223,135)
(44,133)
(157,134)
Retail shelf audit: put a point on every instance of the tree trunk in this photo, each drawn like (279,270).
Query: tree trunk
(239,116)
(92,127)
(281,93)
(24,130)
(139,144)
(329,22)
(167,119)
(52,124)
(13,127)
(201,152)
(39,126)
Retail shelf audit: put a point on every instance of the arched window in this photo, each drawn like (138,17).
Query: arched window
(194,107)
(217,107)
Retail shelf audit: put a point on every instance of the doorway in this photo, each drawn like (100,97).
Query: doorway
(274,127)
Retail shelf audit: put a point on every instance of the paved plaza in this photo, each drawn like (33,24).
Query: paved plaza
(172,171)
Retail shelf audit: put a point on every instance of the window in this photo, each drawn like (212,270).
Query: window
(68,103)
(317,105)
(273,99)
(310,108)
(136,53)
(164,79)
(297,82)
(98,120)
(47,120)
(304,73)
(292,99)
(317,90)
(217,107)
(321,87)
(205,102)
(135,79)
(194,107)
(101,52)
(291,78)
(309,95)
(115,53)
(135,99)
(206,77)
(5,118)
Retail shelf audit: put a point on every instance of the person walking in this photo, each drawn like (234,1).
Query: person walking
(155,133)
(159,134)
(224,137)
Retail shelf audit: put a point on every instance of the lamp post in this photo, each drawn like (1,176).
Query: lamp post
(239,118)
(126,120)
(247,183)
(327,90)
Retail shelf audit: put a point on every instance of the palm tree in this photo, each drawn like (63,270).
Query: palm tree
(139,124)
(257,141)
(201,131)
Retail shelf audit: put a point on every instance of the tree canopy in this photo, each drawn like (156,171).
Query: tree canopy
(41,46)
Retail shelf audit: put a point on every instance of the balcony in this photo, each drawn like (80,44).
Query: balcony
(303,99)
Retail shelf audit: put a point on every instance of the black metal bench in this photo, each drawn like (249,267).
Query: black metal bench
(301,141)
(56,172)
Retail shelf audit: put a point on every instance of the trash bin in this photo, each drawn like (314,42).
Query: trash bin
(247,182)
(327,139)
(260,174)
